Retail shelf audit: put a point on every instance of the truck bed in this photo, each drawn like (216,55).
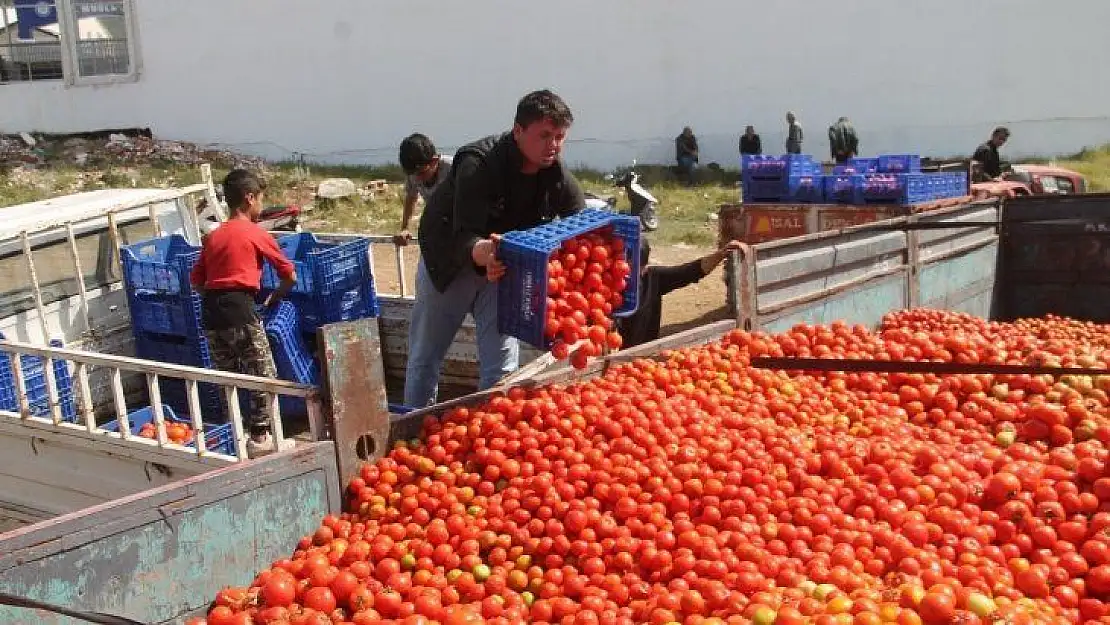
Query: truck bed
(159,554)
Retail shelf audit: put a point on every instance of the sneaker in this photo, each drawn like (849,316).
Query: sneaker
(259,445)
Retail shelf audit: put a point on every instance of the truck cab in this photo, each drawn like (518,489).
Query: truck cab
(59,270)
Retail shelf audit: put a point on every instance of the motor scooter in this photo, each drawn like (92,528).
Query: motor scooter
(643,203)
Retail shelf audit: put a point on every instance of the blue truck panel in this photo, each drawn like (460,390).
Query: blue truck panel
(161,555)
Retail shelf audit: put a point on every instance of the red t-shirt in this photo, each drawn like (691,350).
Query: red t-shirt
(232,257)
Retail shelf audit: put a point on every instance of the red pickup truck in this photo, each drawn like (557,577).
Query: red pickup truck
(1032,180)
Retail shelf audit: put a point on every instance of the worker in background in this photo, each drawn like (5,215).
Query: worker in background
(512,181)
(750,142)
(686,155)
(655,282)
(986,158)
(425,168)
(228,276)
(843,142)
(794,134)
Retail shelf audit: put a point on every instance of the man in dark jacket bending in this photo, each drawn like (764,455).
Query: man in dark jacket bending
(512,181)
(655,282)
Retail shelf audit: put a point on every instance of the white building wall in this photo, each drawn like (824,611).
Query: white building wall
(345,80)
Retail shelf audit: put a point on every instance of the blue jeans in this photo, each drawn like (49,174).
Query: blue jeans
(437,317)
(686,166)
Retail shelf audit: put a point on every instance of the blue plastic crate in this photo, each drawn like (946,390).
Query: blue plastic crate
(159,265)
(173,392)
(35,385)
(960,184)
(191,351)
(862,165)
(176,315)
(843,189)
(899,164)
(293,359)
(323,268)
(766,166)
(522,292)
(317,309)
(218,438)
(800,189)
(903,189)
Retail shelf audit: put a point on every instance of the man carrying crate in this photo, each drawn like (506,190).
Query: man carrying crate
(512,181)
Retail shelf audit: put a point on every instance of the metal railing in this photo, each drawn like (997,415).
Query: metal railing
(229,385)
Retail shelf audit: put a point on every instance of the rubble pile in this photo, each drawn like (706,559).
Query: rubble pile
(115,150)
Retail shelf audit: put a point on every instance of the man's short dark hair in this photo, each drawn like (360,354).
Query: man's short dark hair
(240,183)
(1001,130)
(417,151)
(541,105)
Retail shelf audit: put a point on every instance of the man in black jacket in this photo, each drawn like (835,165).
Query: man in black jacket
(750,142)
(986,162)
(512,181)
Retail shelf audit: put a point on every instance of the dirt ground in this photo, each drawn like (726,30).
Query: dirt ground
(690,307)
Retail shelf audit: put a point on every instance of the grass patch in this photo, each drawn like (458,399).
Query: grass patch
(1094,164)
(685,213)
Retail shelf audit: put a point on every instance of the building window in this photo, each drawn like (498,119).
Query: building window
(79,41)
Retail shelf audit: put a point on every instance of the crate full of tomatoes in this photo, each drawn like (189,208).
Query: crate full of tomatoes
(566,280)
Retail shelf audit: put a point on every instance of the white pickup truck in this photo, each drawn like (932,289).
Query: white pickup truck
(60,281)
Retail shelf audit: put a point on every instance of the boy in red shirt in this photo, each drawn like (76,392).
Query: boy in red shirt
(228,277)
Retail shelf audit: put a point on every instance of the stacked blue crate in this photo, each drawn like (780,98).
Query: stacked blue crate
(786,178)
(35,385)
(861,165)
(902,189)
(166,316)
(291,355)
(842,188)
(898,164)
(334,280)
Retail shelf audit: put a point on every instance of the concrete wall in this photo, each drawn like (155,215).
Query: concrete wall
(344,80)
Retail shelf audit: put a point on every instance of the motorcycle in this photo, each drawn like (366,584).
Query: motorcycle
(643,203)
(285,218)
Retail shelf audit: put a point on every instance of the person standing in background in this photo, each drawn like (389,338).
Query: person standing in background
(425,168)
(750,142)
(793,134)
(843,142)
(986,161)
(686,154)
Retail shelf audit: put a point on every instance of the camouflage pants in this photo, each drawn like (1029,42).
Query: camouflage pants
(246,350)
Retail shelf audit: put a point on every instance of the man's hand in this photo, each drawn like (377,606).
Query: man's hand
(402,238)
(484,254)
(710,262)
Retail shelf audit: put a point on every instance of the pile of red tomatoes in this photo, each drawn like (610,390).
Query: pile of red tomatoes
(586,279)
(697,490)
